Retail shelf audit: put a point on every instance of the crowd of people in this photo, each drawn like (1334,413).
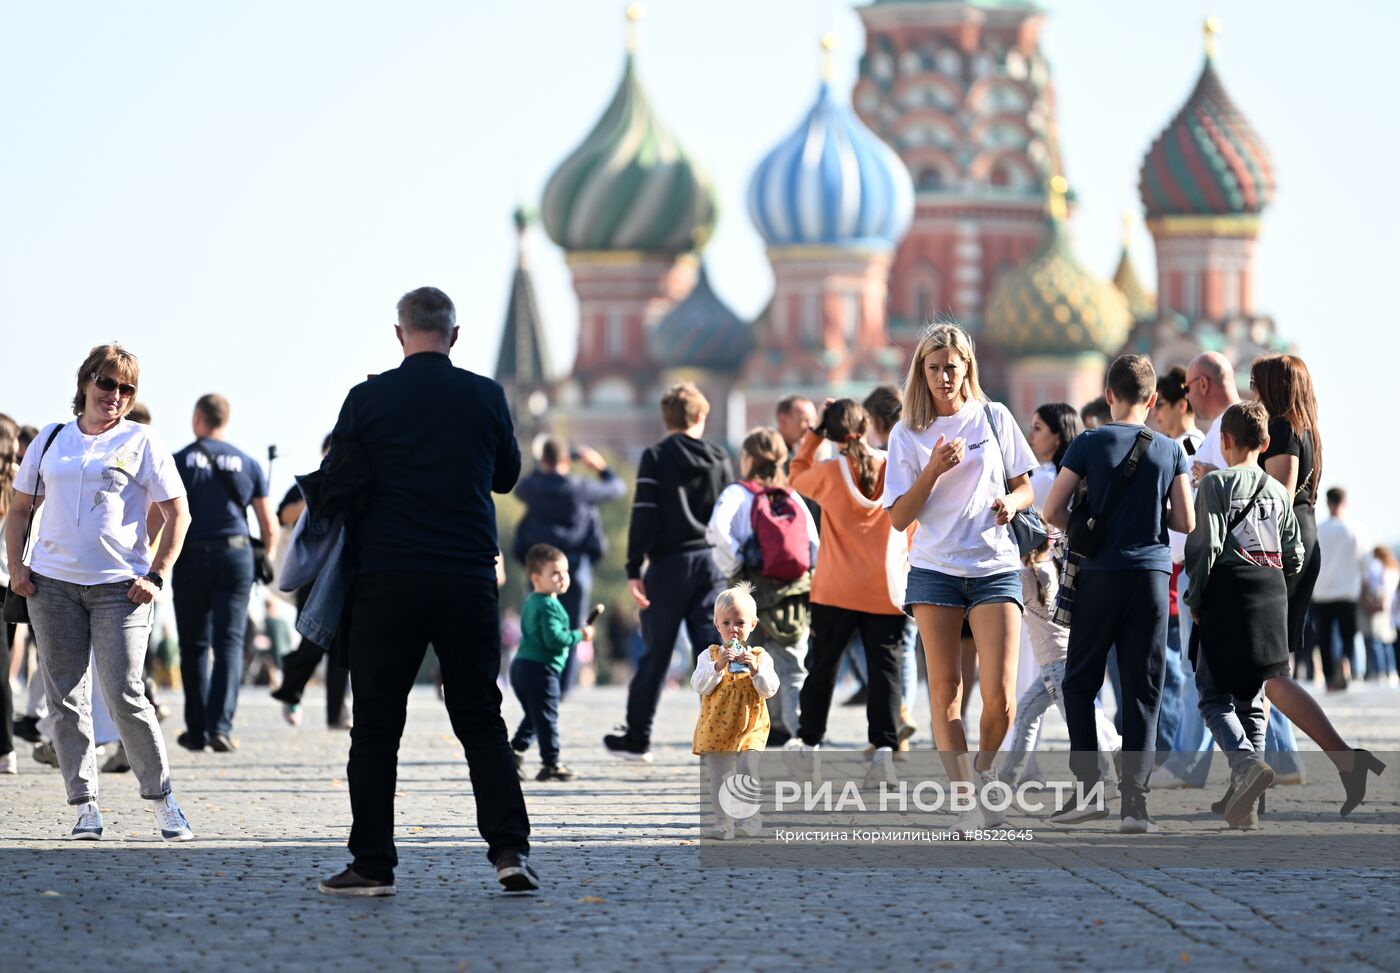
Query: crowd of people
(1183,570)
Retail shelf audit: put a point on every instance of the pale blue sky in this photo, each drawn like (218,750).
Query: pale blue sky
(240,192)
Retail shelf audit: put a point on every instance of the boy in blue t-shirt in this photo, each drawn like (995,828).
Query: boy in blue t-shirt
(545,641)
(1121,594)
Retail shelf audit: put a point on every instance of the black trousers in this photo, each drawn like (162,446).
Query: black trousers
(393,619)
(883,638)
(1127,609)
(536,685)
(300,665)
(682,588)
(7,705)
(1328,615)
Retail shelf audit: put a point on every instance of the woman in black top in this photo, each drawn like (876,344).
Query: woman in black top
(1294,458)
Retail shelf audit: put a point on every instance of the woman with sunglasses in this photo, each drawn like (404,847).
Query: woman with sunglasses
(105,484)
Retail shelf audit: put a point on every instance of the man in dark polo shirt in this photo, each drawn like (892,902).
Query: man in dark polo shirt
(438,442)
(213,577)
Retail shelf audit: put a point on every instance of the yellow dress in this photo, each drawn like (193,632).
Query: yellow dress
(733,716)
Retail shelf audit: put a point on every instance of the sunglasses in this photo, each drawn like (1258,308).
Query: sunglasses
(107,384)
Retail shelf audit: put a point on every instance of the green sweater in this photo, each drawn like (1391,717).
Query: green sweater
(1269,536)
(545,636)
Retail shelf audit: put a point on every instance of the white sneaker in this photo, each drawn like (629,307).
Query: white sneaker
(750,827)
(89,826)
(968,821)
(291,712)
(1162,779)
(990,818)
(814,754)
(9,763)
(115,762)
(718,832)
(881,768)
(170,820)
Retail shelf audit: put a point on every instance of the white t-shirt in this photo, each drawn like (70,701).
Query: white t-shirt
(1344,556)
(1042,479)
(96,490)
(958,533)
(1175,537)
(1208,449)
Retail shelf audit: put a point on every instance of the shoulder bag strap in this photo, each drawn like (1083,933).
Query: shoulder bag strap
(1238,518)
(1126,471)
(992,422)
(39,478)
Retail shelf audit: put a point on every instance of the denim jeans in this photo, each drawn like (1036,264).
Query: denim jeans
(536,685)
(73,625)
(1237,725)
(211,588)
(1030,709)
(1169,716)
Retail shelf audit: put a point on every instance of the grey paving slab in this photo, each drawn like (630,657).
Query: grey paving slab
(628,885)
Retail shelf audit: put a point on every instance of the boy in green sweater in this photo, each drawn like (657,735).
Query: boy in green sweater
(545,641)
(1246,539)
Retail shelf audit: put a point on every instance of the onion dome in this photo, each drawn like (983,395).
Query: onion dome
(1142,304)
(1053,306)
(1209,161)
(629,185)
(701,332)
(832,182)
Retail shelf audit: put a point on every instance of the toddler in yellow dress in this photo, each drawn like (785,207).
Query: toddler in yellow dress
(733,680)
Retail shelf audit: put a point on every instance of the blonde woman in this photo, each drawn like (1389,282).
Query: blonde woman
(90,579)
(960,466)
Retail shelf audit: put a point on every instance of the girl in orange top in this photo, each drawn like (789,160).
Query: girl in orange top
(850,590)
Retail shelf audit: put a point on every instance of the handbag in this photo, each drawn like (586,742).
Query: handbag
(16,608)
(262,564)
(1026,526)
(1084,536)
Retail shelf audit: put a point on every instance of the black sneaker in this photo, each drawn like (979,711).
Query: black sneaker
(777,739)
(190,742)
(27,729)
(222,743)
(624,746)
(515,874)
(351,882)
(1135,819)
(555,772)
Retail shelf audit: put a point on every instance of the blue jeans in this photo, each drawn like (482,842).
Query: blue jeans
(211,588)
(1237,725)
(1169,716)
(536,685)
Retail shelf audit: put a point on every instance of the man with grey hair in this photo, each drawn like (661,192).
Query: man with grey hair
(434,442)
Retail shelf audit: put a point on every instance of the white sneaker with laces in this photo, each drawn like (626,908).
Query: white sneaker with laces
(881,768)
(170,820)
(9,763)
(990,818)
(750,827)
(813,753)
(89,826)
(968,821)
(719,832)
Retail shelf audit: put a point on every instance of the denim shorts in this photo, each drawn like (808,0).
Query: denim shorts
(949,591)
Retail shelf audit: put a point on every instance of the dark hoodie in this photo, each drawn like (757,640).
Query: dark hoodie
(678,481)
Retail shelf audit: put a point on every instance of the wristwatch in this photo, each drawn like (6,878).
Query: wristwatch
(156,580)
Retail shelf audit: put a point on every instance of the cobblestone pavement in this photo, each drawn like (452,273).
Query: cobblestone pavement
(628,885)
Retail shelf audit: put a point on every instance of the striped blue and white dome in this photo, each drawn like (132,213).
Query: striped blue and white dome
(832,182)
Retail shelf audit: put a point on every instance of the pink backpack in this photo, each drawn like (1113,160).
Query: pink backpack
(779,548)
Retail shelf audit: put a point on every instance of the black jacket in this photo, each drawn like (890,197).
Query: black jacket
(563,511)
(439,441)
(678,481)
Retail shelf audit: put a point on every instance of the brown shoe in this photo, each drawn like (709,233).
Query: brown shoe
(351,882)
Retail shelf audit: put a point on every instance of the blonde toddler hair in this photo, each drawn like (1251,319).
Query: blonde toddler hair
(741,597)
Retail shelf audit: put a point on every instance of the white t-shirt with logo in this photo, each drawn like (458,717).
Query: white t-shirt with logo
(96,490)
(958,533)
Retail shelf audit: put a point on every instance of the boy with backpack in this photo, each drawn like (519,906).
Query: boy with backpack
(1246,540)
(678,481)
(1136,487)
(764,534)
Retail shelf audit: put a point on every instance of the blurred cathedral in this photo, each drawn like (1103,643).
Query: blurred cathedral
(937,192)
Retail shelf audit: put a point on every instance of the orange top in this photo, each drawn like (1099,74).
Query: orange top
(855,531)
